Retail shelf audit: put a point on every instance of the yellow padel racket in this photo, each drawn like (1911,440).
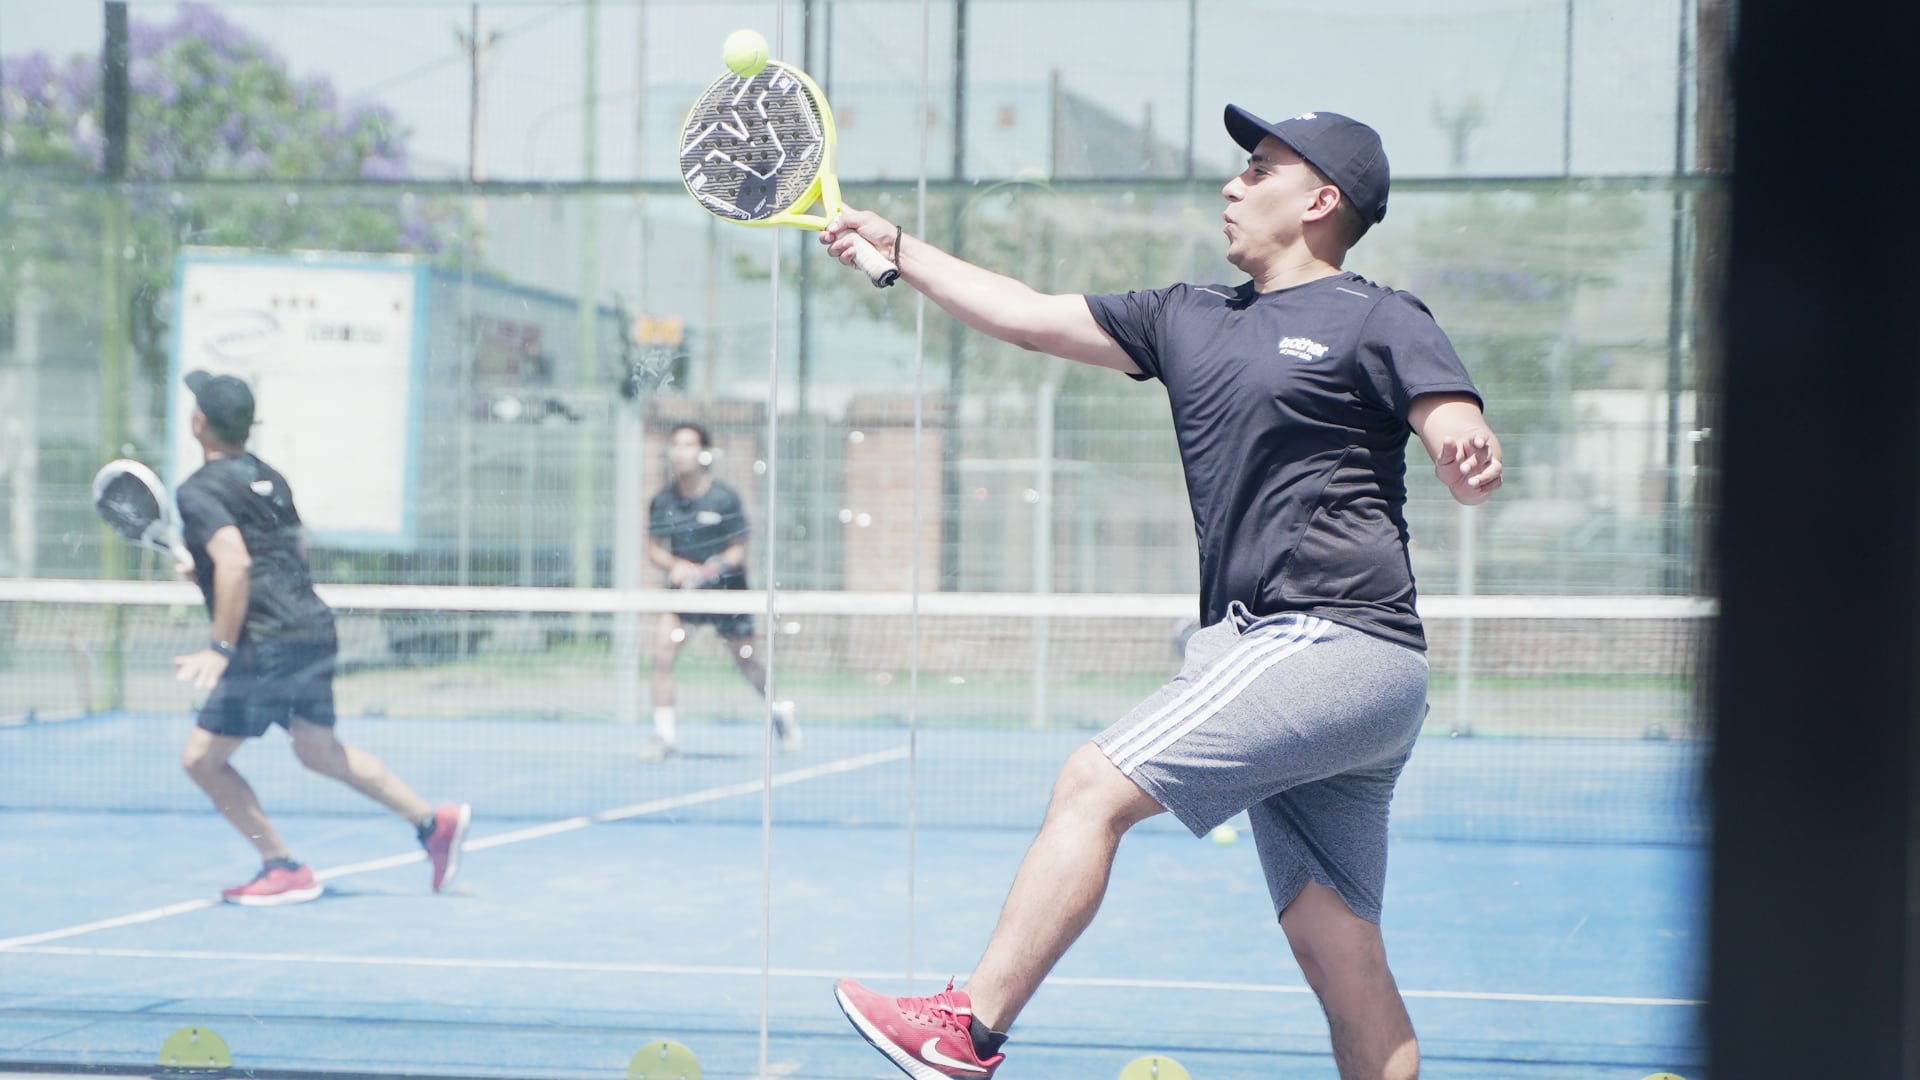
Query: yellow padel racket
(759,150)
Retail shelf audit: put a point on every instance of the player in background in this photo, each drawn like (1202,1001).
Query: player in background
(271,652)
(697,534)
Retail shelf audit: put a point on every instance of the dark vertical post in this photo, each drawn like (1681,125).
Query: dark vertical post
(113,91)
(805,242)
(115,376)
(1674,576)
(953,445)
(1193,74)
(1712,157)
(1817,674)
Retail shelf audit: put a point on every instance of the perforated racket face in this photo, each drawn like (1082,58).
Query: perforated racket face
(752,148)
(127,502)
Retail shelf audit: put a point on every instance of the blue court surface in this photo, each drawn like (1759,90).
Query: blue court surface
(1544,914)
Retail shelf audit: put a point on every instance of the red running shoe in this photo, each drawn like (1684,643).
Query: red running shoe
(929,1038)
(444,843)
(276,885)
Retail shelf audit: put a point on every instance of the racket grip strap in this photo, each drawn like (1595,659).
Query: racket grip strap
(877,267)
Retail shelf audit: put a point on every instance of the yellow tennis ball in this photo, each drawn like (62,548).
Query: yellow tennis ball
(745,53)
(1224,834)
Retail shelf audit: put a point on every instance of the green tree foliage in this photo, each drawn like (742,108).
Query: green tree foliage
(210,108)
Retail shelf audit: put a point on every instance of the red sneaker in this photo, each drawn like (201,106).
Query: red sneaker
(929,1038)
(449,836)
(276,885)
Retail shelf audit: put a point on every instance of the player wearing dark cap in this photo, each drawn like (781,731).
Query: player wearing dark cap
(270,656)
(1294,394)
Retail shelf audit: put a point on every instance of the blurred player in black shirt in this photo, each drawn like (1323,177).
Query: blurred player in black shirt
(697,533)
(271,653)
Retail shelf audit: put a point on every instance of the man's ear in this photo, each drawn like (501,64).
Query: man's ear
(1326,200)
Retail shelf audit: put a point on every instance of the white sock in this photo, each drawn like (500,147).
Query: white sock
(663,724)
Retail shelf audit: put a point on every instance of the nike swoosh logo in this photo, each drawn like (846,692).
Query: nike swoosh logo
(931,1054)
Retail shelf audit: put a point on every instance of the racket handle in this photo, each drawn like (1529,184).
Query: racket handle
(878,269)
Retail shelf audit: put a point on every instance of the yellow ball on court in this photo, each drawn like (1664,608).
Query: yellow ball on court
(1224,834)
(745,53)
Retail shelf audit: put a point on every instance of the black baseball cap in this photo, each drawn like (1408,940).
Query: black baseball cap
(1347,151)
(226,401)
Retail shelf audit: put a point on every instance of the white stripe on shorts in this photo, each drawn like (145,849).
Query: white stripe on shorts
(1268,646)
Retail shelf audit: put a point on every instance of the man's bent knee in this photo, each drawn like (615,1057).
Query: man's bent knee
(315,745)
(205,753)
(1090,784)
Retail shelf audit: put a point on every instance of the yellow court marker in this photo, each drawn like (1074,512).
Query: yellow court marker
(663,1060)
(195,1052)
(1154,1067)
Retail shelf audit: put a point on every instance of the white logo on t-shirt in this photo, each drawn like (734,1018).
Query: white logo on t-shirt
(1302,348)
(262,488)
(708,517)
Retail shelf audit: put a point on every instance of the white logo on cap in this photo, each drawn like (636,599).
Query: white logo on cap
(1307,116)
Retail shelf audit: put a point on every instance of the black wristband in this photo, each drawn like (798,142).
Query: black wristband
(897,234)
(224,648)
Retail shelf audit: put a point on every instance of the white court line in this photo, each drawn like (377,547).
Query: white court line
(514,836)
(150,915)
(744,972)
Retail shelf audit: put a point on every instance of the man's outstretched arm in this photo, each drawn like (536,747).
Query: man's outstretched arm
(994,304)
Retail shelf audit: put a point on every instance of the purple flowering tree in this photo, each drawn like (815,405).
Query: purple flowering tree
(209,104)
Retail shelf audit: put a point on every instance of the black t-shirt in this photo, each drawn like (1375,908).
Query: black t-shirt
(250,495)
(701,527)
(1291,412)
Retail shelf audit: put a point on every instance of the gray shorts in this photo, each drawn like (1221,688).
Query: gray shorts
(1303,723)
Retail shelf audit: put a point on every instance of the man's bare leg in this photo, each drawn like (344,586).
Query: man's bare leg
(319,749)
(668,635)
(1060,883)
(1345,961)
(748,663)
(207,759)
(670,632)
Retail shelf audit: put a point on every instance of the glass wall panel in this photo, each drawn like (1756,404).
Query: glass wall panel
(448,247)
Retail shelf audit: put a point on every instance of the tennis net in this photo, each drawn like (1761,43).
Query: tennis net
(1554,719)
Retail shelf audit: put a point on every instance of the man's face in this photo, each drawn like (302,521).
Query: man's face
(685,453)
(1265,203)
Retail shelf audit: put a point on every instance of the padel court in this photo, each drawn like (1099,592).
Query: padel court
(610,899)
